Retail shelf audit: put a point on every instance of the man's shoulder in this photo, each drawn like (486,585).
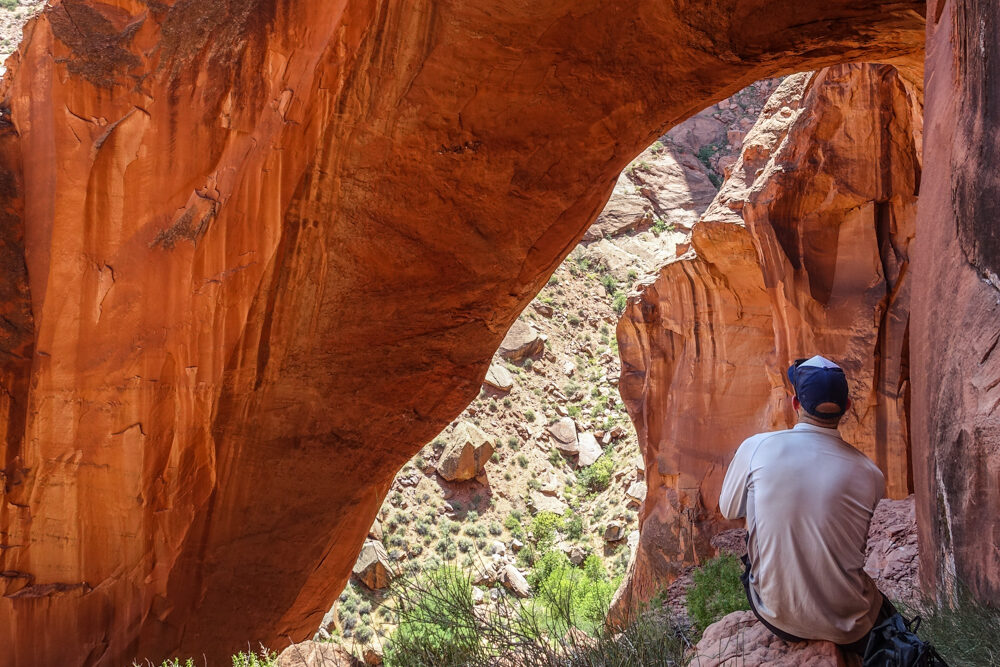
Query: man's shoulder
(757,439)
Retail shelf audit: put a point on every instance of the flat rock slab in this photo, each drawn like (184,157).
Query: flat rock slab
(543,503)
(499,377)
(563,432)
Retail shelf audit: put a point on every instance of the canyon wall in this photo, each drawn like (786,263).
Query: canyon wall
(956,313)
(256,253)
(805,250)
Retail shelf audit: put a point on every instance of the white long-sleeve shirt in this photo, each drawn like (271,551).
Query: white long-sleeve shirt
(808,499)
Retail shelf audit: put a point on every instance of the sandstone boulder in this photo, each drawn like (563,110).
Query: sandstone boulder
(615,531)
(373,655)
(636,492)
(499,377)
(515,581)
(891,557)
(544,503)
(563,432)
(373,567)
(521,342)
(466,454)
(590,451)
(740,639)
(316,654)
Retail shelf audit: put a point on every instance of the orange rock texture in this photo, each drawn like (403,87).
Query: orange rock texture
(804,251)
(256,254)
(956,313)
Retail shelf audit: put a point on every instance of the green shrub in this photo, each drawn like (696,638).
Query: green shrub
(717,591)
(438,625)
(513,524)
(574,526)
(609,283)
(434,626)
(264,658)
(618,302)
(529,415)
(573,597)
(522,460)
(597,477)
(543,529)
(555,458)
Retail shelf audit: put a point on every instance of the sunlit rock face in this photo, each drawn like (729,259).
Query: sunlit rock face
(956,310)
(804,251)
(256,254)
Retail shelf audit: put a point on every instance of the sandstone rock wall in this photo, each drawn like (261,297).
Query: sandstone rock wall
(805,250)
(270,249)
(956,310)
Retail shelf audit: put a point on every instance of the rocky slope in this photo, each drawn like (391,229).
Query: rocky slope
(255,258)
(13,15)
(549,405)
(805,250)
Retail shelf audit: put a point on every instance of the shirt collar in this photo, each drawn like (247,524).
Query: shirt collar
(802,426)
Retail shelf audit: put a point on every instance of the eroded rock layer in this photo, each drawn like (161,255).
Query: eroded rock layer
(270,248)
(804,251)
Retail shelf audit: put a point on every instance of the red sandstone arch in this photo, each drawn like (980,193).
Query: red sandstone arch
(268,249)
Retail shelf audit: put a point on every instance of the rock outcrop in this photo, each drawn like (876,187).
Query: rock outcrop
(956,310)
(255,255)
(373,567)
(804,251)
(740,639)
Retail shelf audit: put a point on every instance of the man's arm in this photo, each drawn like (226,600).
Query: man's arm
(733,499)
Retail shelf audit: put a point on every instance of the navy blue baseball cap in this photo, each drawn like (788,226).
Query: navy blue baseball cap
(818,380)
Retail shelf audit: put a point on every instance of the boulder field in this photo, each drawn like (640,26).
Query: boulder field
(255,254)
(805,250)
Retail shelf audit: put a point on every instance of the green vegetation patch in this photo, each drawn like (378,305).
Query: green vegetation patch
(717,591)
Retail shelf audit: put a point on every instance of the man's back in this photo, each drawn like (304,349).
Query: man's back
(808,498)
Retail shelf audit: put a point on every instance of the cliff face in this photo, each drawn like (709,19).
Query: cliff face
(268,251)
(804,251)
(956,311)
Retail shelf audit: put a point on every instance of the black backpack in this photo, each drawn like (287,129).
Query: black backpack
(894,643)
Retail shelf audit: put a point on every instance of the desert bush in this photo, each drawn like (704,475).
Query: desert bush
(964,632)
(717,591)
(597,477)
(574,527)
(543,529)
(619,300)
(262,658)
(438,625)
(513,524)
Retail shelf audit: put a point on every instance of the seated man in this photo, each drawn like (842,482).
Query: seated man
(808,499)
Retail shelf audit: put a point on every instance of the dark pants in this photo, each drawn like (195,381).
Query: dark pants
(857,647)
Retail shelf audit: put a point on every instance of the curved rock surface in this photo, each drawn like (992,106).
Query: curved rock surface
(256,254)
(804,251)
